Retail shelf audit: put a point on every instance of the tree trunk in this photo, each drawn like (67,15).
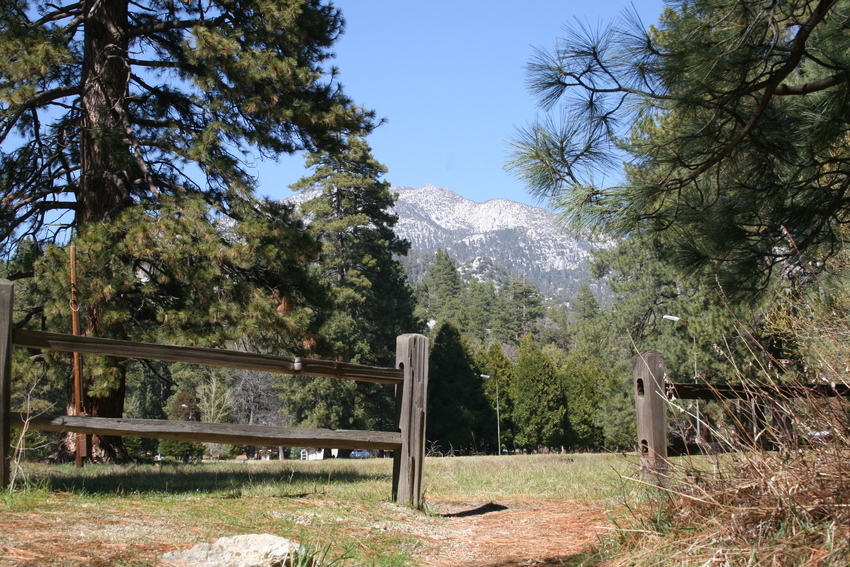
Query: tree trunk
(104,163)
(105,80)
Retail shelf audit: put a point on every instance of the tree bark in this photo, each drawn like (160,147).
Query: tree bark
(102,185)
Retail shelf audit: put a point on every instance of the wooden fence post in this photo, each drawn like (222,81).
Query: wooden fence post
(411,403)
(7,294)
(651,406)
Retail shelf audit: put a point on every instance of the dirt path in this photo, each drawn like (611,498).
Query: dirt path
(506,534)
(454,534)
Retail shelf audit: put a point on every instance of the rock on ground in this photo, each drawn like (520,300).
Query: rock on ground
(255,550)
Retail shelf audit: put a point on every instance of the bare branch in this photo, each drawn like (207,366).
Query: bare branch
(59,14)
(814,86)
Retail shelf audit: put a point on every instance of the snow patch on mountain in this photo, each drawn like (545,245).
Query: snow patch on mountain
(526,241)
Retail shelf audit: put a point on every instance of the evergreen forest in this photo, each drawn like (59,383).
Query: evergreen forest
(124,128)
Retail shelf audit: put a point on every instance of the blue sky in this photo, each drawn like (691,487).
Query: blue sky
(448,75)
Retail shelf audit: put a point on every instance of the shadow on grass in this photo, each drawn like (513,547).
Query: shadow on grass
(195,479)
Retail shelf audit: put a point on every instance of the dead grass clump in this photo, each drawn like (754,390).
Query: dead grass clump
(780,497)
(756,508)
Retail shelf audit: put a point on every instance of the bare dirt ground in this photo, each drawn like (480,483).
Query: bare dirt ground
(505,534)
(455,534)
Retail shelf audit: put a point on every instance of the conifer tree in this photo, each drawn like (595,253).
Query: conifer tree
(373,303)
(583,384)
(540,413)
(460,417)
(731,116)
(480,307)
(352,217)
(522,307)
(443,290)
(499,388)
(125,126)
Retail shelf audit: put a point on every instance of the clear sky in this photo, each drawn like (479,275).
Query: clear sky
(449,77)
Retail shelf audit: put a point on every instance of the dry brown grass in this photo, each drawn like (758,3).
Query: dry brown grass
(762,508)
(781,497)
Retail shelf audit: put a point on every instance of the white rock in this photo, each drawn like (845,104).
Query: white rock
(254,550)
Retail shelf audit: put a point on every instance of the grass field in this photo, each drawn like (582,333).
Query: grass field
(104,515)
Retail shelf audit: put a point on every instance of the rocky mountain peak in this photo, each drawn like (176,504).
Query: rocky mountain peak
(523,239)
(496,240)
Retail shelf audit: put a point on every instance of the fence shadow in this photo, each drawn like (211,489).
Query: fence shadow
(185,479)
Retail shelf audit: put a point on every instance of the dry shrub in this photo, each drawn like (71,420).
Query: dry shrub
(785,506)
(780,496)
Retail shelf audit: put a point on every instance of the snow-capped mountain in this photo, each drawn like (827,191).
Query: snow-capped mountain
(525,240)
(497,240)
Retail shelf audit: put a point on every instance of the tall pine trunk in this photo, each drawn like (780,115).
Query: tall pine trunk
(102,190)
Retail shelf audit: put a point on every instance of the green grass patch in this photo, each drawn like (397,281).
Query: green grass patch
(341,507)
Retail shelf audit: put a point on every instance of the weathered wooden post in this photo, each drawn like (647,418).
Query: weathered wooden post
(411,403)
(651,406)
(7,294)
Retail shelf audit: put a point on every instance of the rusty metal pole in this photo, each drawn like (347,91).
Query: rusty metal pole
(77,360)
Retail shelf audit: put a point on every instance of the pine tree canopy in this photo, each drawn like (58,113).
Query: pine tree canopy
(732,118)
(352,218)
(104,104)
(128,128)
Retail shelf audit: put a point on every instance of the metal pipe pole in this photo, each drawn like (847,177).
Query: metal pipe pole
(498,418)
(77,360)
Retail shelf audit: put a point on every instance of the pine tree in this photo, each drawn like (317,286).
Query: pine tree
(522,308)
(442,291)
(373,303)
(124,125)
(460,417)
(540,412)
(480,307)
(585,305)
(732,118)
(352,218)
(583,383)
(499,388)
(182,407)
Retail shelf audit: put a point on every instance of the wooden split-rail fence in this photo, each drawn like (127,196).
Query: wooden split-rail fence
(410,378)
(653,395)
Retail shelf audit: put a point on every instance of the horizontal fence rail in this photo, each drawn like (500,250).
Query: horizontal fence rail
(207,357)
(228,433)
(653,394)
(410,378)
(727,392)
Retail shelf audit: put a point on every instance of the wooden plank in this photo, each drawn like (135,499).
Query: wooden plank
(215,432)
(7,294)
(411,405)
(651,409)
(207,356)
(727,392)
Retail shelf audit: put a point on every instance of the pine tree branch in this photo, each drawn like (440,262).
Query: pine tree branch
(37,100)
(159,27)
(814,86)
(32,312)
(155,372)
(61,13)
(769,87)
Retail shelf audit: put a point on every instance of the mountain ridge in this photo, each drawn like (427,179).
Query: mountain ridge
(522,240)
